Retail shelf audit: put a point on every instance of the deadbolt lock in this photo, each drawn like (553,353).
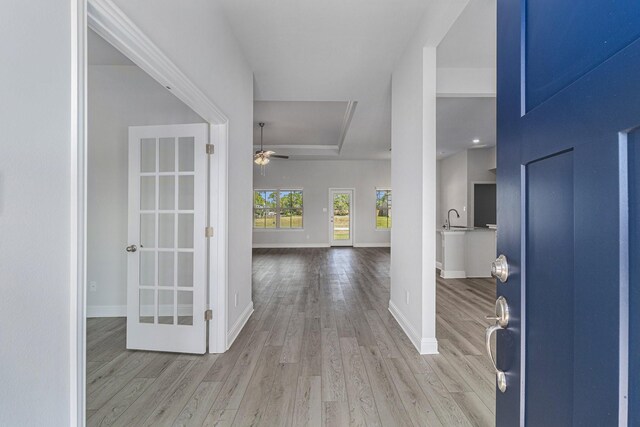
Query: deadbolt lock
(500,268)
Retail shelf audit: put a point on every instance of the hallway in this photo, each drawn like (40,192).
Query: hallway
(320,349)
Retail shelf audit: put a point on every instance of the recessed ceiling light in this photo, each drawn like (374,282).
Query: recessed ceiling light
(475,141)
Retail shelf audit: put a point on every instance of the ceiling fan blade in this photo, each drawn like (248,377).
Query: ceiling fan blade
(276,156)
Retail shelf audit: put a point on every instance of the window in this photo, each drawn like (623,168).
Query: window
(274,209)
(383,209)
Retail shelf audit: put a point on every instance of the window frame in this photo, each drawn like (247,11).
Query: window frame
(278,209)
(389,191)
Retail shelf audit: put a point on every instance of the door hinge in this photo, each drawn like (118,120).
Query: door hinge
(208,314)
(208,232)
(210,149)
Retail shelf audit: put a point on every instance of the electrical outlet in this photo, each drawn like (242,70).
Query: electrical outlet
(407,295)
(93,286)
(235,299)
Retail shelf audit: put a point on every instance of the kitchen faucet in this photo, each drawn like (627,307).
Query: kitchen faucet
(447,224)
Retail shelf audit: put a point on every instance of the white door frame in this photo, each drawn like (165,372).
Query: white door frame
(352,217)
(106,19)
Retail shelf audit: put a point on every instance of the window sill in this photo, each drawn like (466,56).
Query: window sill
(267,230)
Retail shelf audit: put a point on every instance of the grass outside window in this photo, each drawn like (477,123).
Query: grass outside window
(277,209)
(383,209)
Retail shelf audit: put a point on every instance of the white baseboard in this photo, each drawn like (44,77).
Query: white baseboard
(372,245)
(423,345)
(289,245)
(232,334)
(453,274)
(438,265)
(106,311)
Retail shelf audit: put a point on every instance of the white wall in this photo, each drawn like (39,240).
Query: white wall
(35,184)
(439,217)
(198,40)
(453,187)
(315,177)
(119,96)
(406,180)
(458,173)
(413,177)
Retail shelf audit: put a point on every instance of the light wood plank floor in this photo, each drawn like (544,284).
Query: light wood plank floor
(320,349)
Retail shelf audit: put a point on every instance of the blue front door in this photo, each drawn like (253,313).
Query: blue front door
(568,211)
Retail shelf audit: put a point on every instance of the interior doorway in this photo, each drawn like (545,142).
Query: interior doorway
(341,217)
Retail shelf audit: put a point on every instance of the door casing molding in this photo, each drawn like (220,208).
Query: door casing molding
(106,19)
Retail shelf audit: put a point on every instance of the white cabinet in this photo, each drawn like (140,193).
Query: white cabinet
(453,254)
(467,252)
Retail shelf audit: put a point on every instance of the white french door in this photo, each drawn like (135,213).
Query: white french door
(166,278)
(341,216)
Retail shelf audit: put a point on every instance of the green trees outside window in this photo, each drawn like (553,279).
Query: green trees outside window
(273,209)
(383,209)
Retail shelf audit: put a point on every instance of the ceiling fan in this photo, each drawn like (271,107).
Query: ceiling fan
(262,157)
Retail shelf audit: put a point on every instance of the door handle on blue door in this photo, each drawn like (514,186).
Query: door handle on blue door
(502,321)
(500,269)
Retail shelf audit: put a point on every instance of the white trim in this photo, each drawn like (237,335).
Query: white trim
(289,245)
(78,209)
(346,123)
(237,327)
(453,274)
(106,19)
(352,218)
(372,245)
(422,344)
(218,202)
(439,265)
(113,25)
(106,311)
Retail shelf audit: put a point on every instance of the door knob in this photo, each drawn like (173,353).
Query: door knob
(132,248)
(500,268)
(502,321)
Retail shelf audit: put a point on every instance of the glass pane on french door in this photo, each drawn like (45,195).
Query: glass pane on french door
(166,231)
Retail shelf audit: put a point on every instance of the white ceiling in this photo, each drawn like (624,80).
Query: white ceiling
(100,52)
(471,41)
(311,57)
(461,120)
(300,124)
(329,50)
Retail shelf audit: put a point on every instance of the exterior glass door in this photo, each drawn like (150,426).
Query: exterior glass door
(341,218)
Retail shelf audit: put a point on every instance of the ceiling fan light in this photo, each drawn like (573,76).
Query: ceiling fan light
(261,160)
